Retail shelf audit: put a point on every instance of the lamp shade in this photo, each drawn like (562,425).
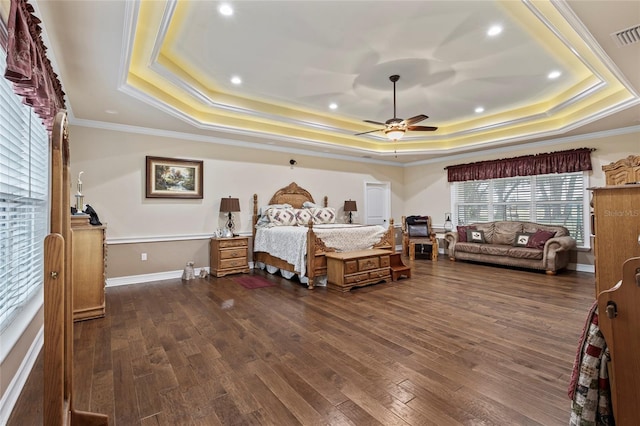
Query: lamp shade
(350,206)
(228,205)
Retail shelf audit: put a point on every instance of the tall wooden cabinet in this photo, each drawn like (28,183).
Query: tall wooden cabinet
(616,229)
(89,259)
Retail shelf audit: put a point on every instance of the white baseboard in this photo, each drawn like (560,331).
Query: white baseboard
(580,267)
(146,278)
(10,397)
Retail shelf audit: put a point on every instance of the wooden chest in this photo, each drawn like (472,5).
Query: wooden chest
(357,268)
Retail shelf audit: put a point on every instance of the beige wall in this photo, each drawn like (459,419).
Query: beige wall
(114,184)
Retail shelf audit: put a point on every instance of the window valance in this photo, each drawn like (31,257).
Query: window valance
(28,66)
(574,160)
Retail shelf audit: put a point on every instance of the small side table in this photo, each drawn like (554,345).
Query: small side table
(228,256)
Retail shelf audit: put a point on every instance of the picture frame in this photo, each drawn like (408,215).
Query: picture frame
(173,178)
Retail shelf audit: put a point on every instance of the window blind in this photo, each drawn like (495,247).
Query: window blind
(554,199)
(24,182)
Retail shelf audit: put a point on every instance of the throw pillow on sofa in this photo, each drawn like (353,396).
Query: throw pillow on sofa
(522,239)
(538,239)
(475,236)
(462,233)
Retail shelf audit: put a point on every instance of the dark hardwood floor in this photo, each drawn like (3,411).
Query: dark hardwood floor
(458,343)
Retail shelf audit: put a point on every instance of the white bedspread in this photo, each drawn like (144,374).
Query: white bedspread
(289,243)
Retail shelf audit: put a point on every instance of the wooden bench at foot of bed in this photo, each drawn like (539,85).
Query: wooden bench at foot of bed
(350,269)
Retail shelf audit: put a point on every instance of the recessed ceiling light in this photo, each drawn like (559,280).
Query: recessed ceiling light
(236,80)
(333,105)
(494,30)
(225,9)
(479,109)
(554,74)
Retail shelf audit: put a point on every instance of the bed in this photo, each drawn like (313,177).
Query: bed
(298,247)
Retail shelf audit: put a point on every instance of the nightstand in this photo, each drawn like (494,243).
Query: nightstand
(228,256)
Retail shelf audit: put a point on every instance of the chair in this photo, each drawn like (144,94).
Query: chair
(398,268)
(417,230)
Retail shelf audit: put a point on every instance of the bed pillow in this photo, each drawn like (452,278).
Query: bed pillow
(310,205)
(538,239)
(303,216)
(323,215)
(462,233)
(475,236)
(281,217)
(263,209)
(264,219)
(522,239)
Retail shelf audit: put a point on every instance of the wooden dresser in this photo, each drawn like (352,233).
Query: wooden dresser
(357,268)
(89,262)
(616,230)
(616,220)
(229,256)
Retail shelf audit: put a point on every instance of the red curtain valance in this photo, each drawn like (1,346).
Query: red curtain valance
(28,66)
(575,160)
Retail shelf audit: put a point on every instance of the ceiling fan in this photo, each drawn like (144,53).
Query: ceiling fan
(395,127)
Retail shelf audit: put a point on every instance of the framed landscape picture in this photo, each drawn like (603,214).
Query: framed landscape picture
(173,178)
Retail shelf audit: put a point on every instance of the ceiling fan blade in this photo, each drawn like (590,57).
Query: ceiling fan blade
(415,119)
(370,131)
(422,128)
(374,122)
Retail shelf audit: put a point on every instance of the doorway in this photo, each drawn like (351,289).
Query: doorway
(377,203)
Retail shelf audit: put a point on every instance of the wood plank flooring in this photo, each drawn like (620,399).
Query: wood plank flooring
(457,344)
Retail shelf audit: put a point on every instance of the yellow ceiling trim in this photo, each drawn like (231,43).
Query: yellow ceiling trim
(141,76)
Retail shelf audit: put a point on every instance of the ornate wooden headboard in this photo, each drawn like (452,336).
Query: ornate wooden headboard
(292,194)
(623,171)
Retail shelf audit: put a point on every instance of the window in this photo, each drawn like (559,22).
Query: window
(556,199)
(24,207)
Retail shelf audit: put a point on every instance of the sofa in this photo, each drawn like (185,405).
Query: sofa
(512,243)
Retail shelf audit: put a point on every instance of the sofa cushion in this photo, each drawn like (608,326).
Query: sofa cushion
(538,239)
(495,249)
(462,233)
(505,232)
(522,238)
(488,229)
(469,247)
(560,231)
(525,253)
(475,236)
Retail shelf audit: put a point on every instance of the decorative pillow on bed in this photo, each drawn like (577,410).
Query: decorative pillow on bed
(522,239)
(303,216)
(263,210)
(323,215)
(264,219)
(475,236)
(281,217)
(310,205)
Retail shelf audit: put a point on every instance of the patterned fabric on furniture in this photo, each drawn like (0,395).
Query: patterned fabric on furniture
(546,248)
(417,230)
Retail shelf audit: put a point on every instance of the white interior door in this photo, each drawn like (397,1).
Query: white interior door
(377,202)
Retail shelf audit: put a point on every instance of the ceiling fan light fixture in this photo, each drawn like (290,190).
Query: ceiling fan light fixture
(394,134)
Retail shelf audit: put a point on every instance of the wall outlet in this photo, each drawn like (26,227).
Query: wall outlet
(143,256)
